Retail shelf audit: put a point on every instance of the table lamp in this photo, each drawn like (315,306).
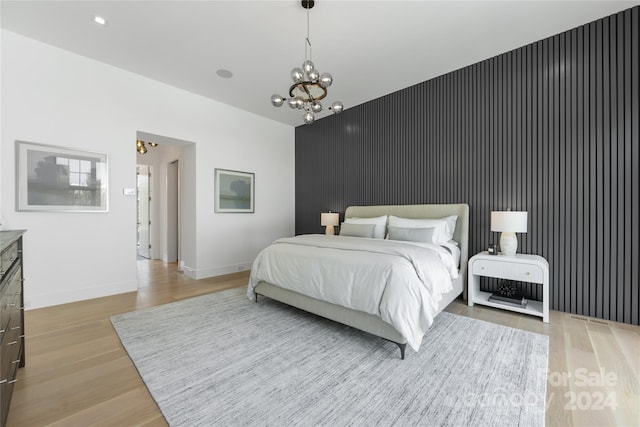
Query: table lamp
(509,223)
(329,220)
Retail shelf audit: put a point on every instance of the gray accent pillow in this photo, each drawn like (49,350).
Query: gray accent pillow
(357,230)
(379,221)
(424,235)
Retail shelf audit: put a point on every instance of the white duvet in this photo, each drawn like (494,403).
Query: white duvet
(400,282)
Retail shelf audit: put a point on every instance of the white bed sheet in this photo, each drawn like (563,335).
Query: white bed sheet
(451,245)
(399,282)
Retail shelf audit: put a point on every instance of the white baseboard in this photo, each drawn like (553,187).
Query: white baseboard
(216,271)
(46,300)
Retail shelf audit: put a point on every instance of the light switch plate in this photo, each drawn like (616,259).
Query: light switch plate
(129,191)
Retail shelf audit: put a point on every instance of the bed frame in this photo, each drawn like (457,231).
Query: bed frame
(365,321)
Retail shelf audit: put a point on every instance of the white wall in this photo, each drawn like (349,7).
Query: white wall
(2,220)
(51,96)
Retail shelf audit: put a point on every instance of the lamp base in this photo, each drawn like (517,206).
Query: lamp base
(330,230)
(508,243)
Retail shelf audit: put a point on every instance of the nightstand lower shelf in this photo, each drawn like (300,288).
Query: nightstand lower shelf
(533,308)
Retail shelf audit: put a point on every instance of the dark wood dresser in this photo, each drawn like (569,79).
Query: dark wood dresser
(11,316)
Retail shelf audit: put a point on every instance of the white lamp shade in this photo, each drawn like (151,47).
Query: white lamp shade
(329,219)
(509,221)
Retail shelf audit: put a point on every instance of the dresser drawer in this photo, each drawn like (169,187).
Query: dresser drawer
(10,347)
(9,380)
(8,256)
(10,295)
(508,270)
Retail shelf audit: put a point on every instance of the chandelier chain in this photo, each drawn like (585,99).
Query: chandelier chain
(307,46)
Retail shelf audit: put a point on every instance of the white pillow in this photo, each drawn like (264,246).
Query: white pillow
(380,222)
(444,227)
(451,225)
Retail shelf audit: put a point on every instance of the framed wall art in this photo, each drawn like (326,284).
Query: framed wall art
(234,191)
(58,179)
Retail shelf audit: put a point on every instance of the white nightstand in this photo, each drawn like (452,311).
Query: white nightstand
(520,267)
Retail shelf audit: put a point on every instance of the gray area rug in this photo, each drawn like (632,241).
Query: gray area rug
(221,359)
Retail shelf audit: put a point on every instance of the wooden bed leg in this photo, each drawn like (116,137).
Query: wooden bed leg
(402,348)
(256,297)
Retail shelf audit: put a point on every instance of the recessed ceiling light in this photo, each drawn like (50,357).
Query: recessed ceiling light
(99,20)
(225,74)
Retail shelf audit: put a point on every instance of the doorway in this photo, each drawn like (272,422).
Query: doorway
(171,164)
(143,241)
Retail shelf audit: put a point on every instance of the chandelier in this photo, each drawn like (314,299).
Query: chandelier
(141,148)
(309,86)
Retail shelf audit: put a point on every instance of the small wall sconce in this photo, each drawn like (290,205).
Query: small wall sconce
(330,220)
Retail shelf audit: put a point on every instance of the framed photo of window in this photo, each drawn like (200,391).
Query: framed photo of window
(234,191)
(59,179)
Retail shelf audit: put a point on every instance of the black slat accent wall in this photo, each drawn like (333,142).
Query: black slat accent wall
(551,128)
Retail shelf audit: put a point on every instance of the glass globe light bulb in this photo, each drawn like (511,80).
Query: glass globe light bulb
(313,75)
(297,74)
(337,107)
(308,117)
(277,100)
(307,66)
(326,80)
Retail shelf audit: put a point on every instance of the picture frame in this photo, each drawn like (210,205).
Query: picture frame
(234,191)
(51,178)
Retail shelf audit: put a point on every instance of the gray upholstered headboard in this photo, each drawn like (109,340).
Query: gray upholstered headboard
(461,234)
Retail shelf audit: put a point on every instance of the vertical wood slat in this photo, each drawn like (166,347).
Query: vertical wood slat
(632,196)
(551,128)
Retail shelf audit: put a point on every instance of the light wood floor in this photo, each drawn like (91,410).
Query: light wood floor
(78,374)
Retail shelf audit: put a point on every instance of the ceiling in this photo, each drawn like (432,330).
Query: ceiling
(372,48)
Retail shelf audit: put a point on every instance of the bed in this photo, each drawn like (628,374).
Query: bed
(370,322)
